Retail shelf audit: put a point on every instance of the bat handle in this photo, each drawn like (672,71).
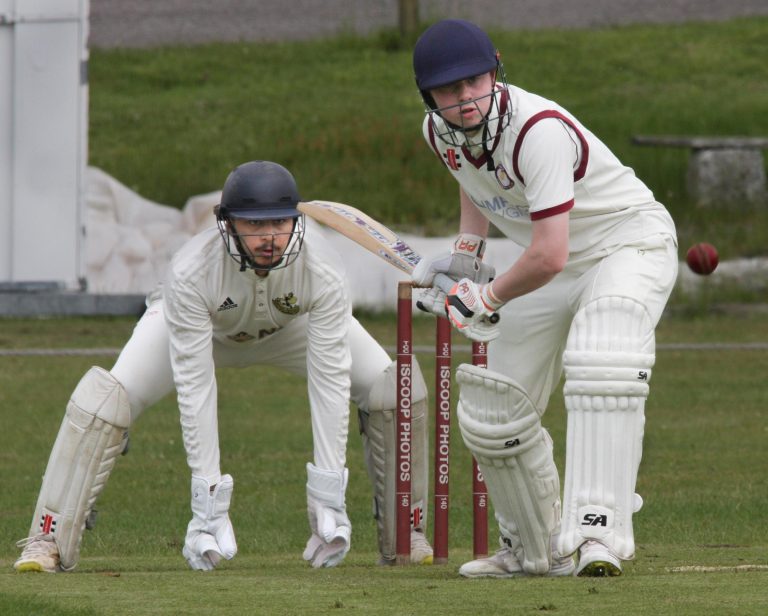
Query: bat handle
(445,284)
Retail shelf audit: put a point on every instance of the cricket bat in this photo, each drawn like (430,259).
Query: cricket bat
(368,233)
(371,235)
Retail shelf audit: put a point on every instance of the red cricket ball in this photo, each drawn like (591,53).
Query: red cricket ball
(702,258)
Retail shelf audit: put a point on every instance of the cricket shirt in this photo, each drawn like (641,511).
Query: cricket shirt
(541,162)
(210,303)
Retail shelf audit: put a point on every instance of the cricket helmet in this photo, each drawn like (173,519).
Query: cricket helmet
(259,190)
(452,50)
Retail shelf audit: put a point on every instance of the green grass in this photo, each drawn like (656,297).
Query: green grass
(344,115)
(702,479)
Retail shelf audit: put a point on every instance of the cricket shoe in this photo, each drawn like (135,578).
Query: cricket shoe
(40,554)
(504,564)
(421,551)
(596,560)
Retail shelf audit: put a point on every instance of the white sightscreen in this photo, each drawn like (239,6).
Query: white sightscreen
(43,140)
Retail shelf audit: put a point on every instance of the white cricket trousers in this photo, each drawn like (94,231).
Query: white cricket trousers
(144,365)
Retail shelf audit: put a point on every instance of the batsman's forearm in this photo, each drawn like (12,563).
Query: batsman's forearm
(472,220)
(525,276)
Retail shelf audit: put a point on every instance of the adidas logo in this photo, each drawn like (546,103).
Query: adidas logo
(227,304)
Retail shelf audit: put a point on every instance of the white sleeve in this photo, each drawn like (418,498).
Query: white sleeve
(191,348)
(328,370)
(548,157)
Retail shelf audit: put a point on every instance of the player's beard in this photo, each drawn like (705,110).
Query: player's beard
(269,254)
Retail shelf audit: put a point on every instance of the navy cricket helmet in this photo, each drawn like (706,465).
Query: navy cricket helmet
(452,50)
(259,190)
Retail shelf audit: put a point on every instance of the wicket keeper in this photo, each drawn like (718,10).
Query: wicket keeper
(268,294)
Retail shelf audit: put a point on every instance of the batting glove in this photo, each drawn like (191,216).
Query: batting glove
(464,261)
(210,535)
(467,259)
(432,300)
(331,529)
(472,309)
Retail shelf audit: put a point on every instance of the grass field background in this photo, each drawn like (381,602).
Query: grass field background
(344,116)
(703,480)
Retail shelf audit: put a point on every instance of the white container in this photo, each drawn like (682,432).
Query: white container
(43,141)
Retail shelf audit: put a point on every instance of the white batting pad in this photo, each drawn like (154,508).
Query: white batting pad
(608,360)
(90,438)
(378,428)
(502,428)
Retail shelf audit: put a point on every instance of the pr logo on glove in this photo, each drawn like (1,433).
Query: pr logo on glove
(472,308)
(468,301)
(469,245)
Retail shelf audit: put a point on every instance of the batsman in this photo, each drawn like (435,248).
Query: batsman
(597,265)
(268,294)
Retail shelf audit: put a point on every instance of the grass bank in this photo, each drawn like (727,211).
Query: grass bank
(344,115)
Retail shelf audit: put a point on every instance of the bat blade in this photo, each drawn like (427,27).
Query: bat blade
(363,230)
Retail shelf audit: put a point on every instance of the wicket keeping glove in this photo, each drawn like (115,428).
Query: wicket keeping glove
(210,535)
(331,529)
(472,309)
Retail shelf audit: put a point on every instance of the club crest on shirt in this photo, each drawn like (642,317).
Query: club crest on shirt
(502,177)
(288,304)
(241,337)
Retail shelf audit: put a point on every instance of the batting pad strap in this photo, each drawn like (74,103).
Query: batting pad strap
(497,418)
(99,396)
(326,486)
(500,441)
(496,398)
(607,373)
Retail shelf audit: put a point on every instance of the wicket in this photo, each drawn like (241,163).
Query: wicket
(442,439)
